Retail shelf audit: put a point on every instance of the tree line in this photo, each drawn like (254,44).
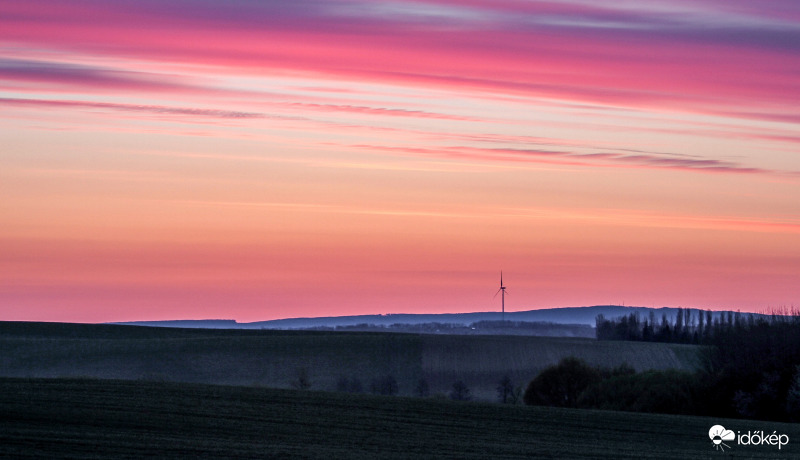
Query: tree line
(687,326)
(487,327)
(749,366)
(574,383)
(387,385)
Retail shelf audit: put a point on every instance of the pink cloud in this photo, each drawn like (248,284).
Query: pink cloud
(226,114)
(645,61)
(613,66)
(86,77)
(377,111)
(600,159)
(153,109)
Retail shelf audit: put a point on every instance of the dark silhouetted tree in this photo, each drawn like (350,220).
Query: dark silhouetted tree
(560,385)
(421,389)
(386,385)
(460,392)
(647,331)
(793,397)
(505,389)
(302,380)
(700,326)
(671,392)
(351,385)
(604,329)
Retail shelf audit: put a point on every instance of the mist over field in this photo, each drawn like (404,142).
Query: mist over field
(275,358)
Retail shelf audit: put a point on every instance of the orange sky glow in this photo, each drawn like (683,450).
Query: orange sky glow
(263,160)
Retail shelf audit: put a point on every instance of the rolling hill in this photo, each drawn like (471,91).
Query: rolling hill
(568,315)
(274,358)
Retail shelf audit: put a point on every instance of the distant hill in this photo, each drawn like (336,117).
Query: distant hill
(569,315)
(190,323)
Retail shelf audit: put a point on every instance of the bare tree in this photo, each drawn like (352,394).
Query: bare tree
(421,389)
(385,385)
(302,381)
(460,392)
(505,389)
(349,385)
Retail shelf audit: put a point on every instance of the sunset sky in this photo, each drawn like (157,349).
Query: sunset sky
(255,160)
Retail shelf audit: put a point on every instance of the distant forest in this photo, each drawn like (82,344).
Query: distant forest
(749,364)
(687,326)
(532,328)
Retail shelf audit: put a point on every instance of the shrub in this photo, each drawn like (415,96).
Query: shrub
(302,381)
(421,389)
(460,392)
(352,385)
(385,386)
(667,392)
(560,385)
(505,389)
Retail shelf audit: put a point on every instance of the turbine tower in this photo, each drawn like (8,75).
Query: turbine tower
(502,297)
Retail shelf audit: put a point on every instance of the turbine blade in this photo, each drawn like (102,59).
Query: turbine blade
(495,294)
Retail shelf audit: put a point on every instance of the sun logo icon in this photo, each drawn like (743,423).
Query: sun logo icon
(718,435)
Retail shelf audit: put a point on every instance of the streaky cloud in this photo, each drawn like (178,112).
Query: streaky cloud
(154,109)
(92,77)
(690,60)
(379,111)
(601,159)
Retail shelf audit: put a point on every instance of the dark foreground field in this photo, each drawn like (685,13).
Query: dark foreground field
(83,418)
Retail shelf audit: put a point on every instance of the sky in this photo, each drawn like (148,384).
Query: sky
(255,160)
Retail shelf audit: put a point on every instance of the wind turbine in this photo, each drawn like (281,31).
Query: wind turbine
(503,296)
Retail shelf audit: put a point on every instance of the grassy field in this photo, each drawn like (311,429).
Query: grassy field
(84,418)
(275,358)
